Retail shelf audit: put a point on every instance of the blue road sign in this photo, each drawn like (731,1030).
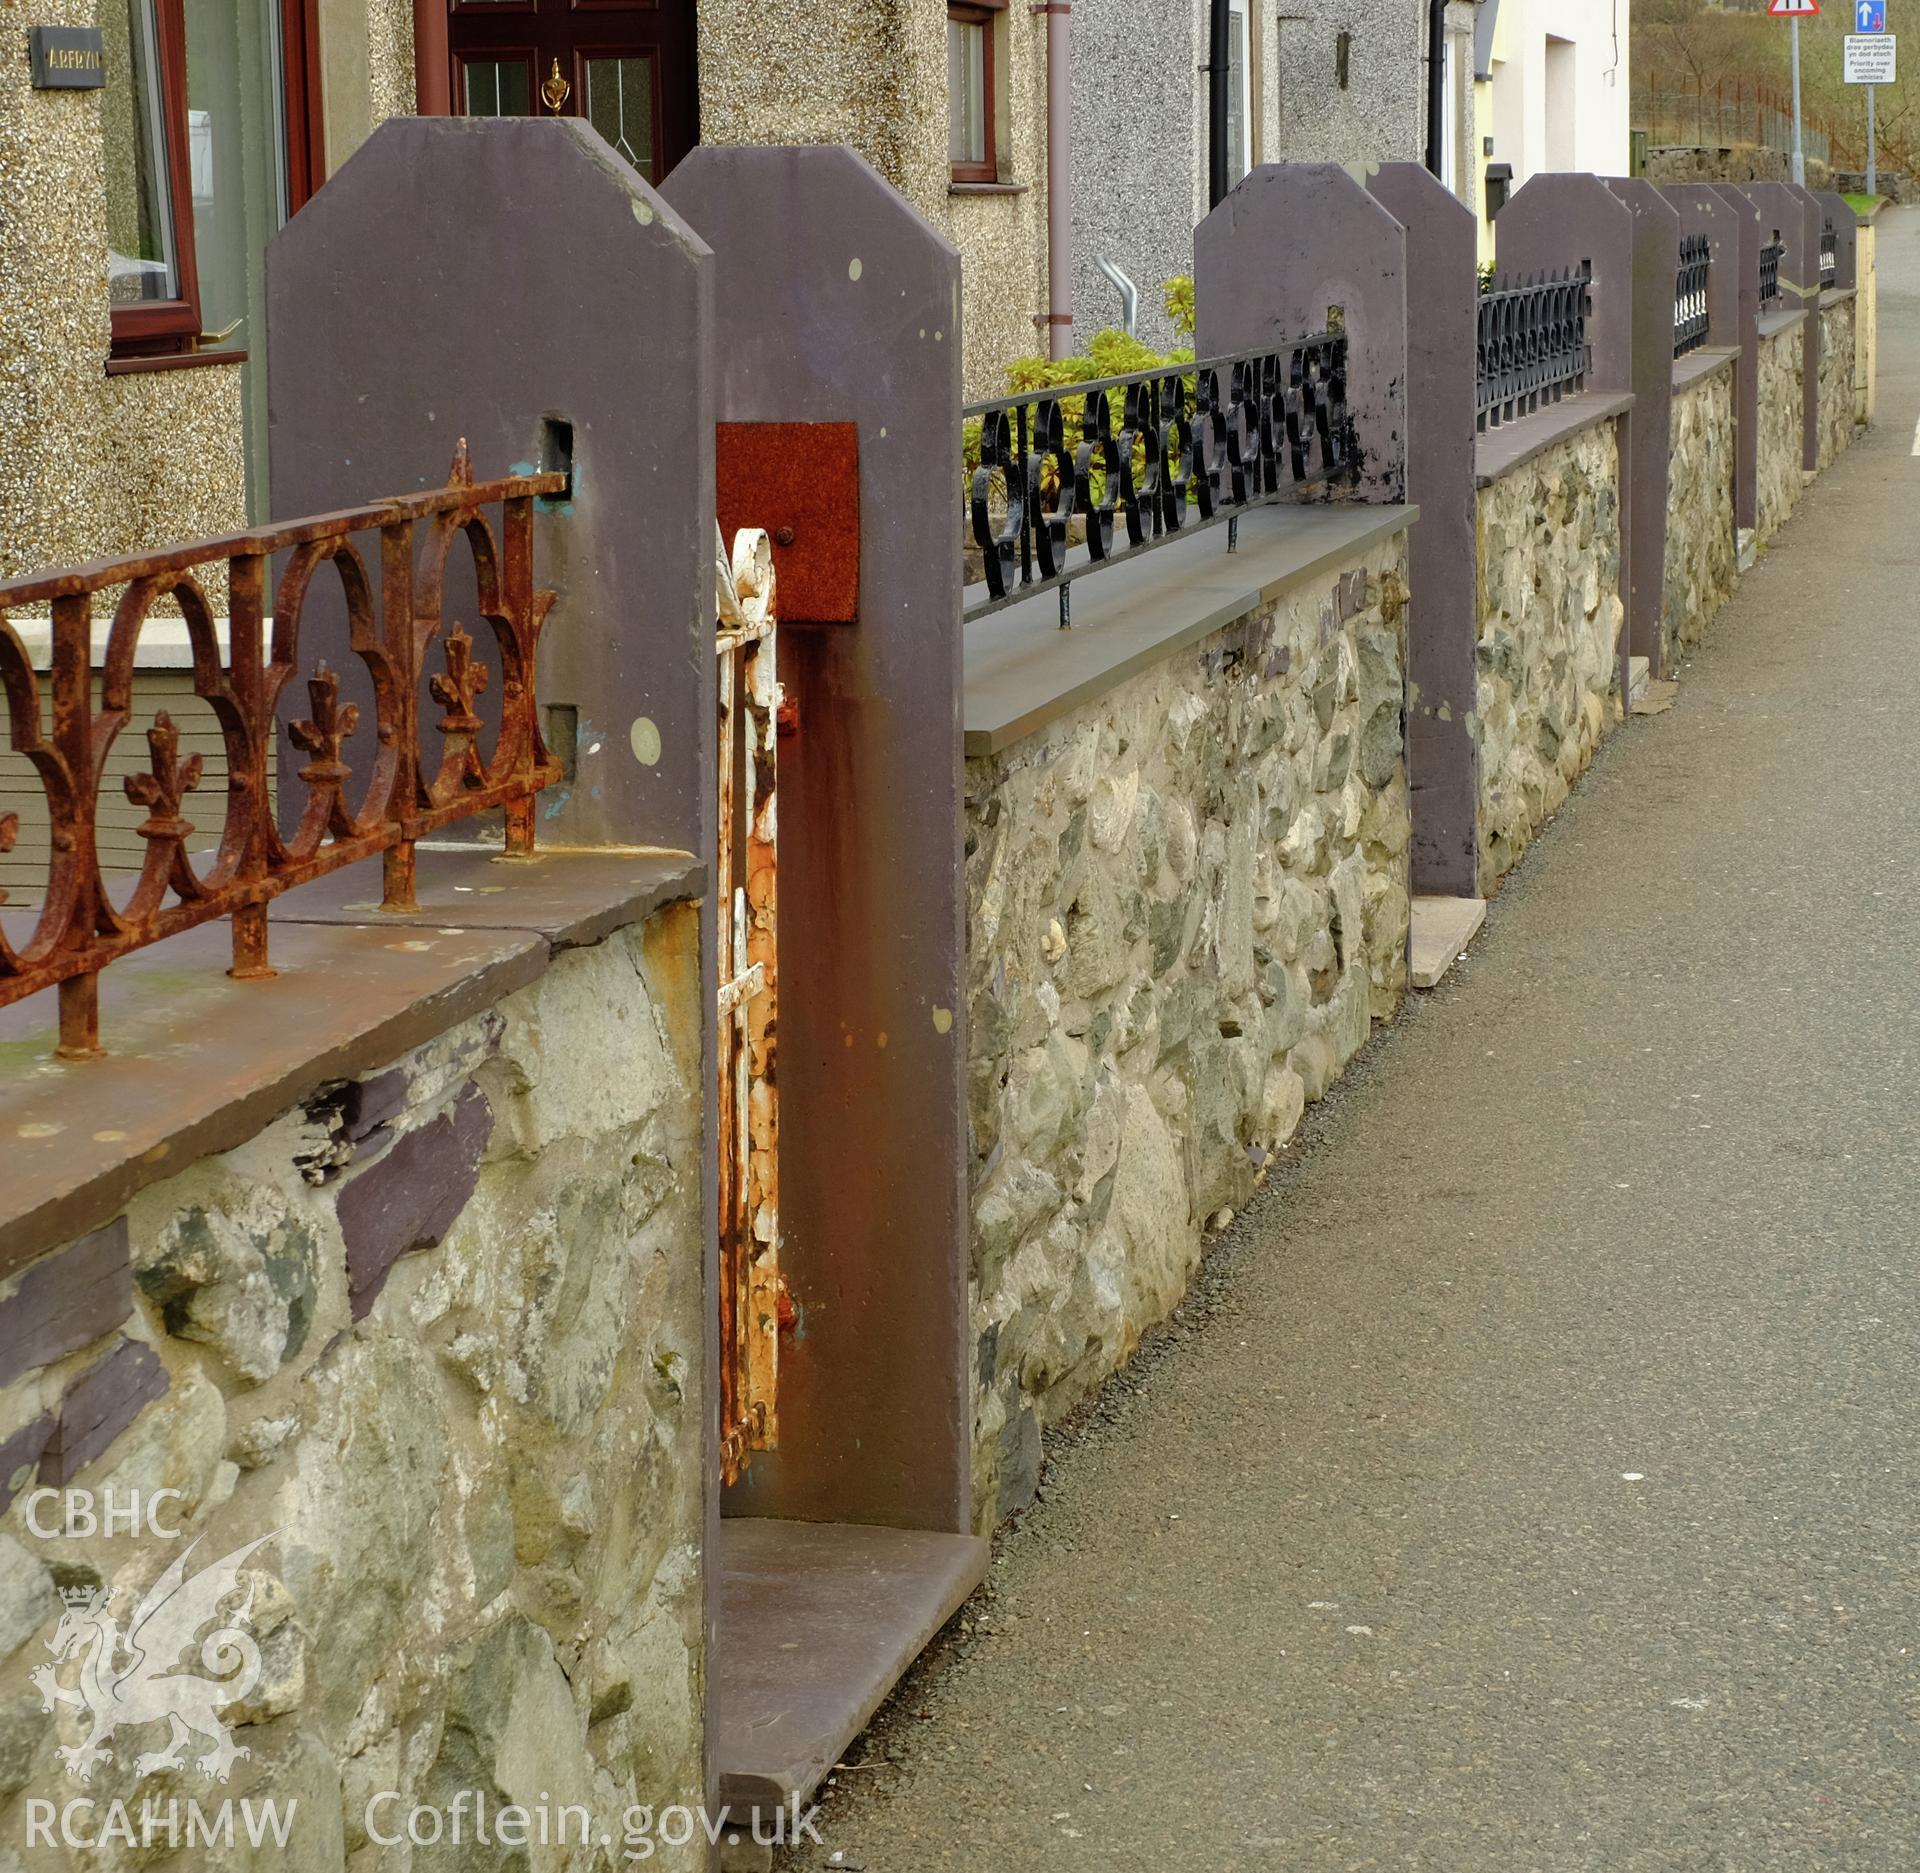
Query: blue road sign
(1869,16)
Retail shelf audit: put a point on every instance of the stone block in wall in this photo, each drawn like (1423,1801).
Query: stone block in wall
(99,1405)
(20,1455)
(27,1597)
(65,1301)
(243,1284)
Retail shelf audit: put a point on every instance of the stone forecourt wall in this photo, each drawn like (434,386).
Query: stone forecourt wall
(433,1341)
(1550,621)
(1188,899)
(1838,311)
(1701,555)
(1779,473)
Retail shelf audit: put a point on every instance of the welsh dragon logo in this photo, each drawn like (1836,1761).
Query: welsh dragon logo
(126,1680)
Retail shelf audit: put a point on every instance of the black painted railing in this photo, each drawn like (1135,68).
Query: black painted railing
(1072,478)
(1532,343)
(1770,257)
(1690,294)
(1829,254)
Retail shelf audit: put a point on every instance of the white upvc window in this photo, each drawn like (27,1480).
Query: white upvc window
(1239,94)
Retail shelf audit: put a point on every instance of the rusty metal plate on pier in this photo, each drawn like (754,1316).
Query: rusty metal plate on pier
(801,482)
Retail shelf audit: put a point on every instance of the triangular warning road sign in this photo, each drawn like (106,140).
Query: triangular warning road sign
(1778,8)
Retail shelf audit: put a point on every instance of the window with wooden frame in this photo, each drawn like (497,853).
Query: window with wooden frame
(973,130)
(211,138)
(152,285)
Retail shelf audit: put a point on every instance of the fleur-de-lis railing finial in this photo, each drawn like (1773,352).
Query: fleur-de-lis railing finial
(466,678)
(166,785)
(323,736)
(326,733)
(161,790)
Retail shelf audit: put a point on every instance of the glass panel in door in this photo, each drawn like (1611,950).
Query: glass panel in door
(501,87)
(619,105)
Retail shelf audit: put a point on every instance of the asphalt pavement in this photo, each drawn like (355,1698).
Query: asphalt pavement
(1532,1479)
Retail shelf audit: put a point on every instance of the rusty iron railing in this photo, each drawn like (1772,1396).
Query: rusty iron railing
(753,1298)
(406,794)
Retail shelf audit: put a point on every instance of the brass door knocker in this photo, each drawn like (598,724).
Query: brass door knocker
(556,90)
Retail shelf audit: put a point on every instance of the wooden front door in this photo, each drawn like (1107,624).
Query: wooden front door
(624,65)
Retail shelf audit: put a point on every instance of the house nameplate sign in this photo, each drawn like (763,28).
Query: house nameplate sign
(66,58)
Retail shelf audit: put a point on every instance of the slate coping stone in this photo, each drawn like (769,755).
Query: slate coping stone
(1021,671)
(1499,452)
(198,1063)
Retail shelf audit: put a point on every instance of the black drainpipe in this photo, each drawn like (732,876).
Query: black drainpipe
(1217,56)
(1436,80)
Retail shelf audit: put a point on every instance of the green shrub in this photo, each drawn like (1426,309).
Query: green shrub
(1178,293)
(1109,353)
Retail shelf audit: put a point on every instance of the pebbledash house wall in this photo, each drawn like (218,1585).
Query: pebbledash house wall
(1550,620)
(1187,902)
(435,1333)
(90,464)
(873,75)
(1701,551)
(1329,81)
(1781,436)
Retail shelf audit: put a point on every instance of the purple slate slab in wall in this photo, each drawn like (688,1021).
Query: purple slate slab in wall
(1443,623)
(477,277)
(1293,241)
(1836,208)
(483,277)
(1796,216)
(66,1301)
(1656,265)
(410,1198)
(1553,222)
(837,303)
(1732,227)
(99,1405)
(1812,214)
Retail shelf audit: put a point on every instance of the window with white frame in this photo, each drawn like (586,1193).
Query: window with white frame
(1239,94)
